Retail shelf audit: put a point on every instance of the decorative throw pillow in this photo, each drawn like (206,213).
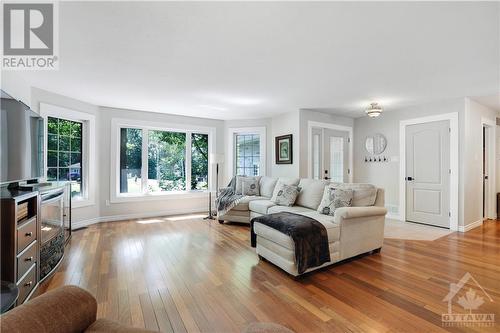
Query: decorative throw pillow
(250,187)
(285,195)
(334,198)
(239,182)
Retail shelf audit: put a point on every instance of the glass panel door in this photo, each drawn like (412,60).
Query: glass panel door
(337,159)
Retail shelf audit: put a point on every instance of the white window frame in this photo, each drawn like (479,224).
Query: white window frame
(231,156)
(118,123)
(88,148)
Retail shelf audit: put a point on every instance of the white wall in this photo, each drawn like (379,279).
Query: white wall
(471,115)
(385,175)
(283,124)
(311,115)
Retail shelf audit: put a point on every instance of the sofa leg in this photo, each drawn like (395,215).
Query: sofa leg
(377,250)
(221,221)
(261,258)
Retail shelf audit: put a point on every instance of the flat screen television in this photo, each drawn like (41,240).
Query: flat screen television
(21,142)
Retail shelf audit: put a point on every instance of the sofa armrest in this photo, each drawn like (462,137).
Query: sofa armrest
(66,309)
(345,213)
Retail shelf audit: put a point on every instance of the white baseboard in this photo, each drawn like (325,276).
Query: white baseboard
(112,218)
(470,226)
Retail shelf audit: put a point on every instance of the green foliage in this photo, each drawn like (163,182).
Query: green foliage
(199,161)
(166,159)
(132,138)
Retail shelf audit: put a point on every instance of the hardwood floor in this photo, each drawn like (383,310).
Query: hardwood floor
(188,275)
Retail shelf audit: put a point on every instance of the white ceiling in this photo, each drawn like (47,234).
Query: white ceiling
(247,60)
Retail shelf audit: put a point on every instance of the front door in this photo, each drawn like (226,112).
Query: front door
(335,155)
(428,173)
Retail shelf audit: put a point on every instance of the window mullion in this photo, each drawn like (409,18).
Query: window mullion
(188,161)
(144,169)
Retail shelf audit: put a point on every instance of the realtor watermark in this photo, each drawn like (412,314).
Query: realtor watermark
(470,299)
(30,39)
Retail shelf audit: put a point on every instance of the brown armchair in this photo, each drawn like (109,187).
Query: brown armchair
(65,310)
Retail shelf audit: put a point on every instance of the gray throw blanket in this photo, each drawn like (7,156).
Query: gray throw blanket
(309,236)
(227,198)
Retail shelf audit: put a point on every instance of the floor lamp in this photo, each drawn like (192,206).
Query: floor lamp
(216,160)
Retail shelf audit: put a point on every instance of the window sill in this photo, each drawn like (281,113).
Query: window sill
(159,196)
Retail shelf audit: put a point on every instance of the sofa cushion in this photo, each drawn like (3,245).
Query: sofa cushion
(332,229)
(334,198)
(291,209)
(289,181)
(250,186)
(267,185)
(364,194)
(285,195)
(311,192)
(284,181)
(260,206)
(239,183)
(243,204)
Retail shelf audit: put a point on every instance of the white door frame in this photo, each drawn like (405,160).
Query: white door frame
(490,211)
(310,125)
(454,165)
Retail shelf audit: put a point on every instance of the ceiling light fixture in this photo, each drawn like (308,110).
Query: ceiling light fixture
(374,110)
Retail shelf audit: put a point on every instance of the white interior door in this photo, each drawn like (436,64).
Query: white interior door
(336,155)
(428,173)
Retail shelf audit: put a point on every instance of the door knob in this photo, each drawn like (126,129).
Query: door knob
(409,179)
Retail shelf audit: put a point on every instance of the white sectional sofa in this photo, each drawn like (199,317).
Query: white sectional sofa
(351,231)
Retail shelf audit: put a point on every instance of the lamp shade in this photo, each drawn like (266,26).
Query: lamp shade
(216,158)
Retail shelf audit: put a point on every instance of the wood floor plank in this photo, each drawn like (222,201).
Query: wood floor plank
(192,275)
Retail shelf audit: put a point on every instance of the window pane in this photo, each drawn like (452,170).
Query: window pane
(76,144)
(52,159)
(76,130)
(76,160)
(166,161)
(65,127)
(199,161)
(247,159)
(130,160)
(64,142)
(52,142)
(52,125)
(63,174)
(52,174)
(337,159)
(64,159)
(76,189)
(74,174)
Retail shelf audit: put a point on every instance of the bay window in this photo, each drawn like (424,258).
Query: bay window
(153,161)
(70,151)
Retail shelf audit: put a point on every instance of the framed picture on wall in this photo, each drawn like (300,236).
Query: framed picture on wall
(284,149)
